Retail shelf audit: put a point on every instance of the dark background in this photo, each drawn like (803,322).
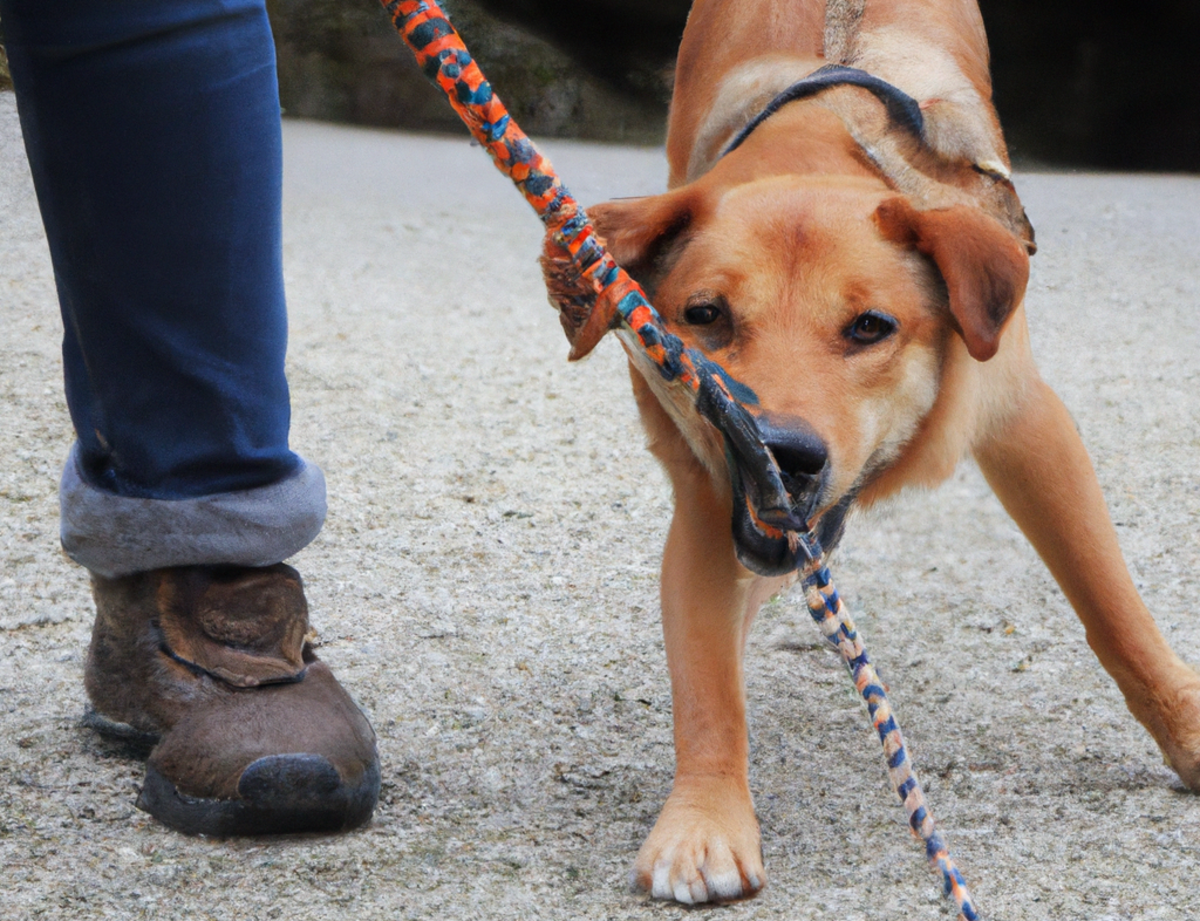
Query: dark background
(1078,84)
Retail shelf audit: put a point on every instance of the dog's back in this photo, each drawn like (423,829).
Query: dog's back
(935,51)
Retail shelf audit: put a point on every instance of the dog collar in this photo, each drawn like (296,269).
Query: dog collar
(901,107)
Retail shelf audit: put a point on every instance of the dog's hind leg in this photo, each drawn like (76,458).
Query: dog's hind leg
(1040,470)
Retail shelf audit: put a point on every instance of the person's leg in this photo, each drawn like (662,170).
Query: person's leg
(153,134)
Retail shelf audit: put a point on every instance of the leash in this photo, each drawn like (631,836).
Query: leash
(833,619)
(609,299)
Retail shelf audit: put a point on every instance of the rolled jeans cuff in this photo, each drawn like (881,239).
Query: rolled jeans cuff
(117,535)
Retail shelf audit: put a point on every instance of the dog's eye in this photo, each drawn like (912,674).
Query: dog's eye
(870,327)
(703,314)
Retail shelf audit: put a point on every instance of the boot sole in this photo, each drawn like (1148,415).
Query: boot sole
(277,795)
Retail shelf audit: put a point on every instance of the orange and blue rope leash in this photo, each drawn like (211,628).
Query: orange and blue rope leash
(616,302)
(833,619)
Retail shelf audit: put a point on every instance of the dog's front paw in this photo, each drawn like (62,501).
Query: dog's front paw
(1173,718)
(704,846)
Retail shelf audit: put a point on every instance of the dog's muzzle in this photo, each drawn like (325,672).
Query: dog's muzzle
(803,462)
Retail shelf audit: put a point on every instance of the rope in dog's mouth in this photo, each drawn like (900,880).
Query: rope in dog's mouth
(598,296)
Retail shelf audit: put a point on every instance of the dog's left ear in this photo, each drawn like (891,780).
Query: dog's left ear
(984,266)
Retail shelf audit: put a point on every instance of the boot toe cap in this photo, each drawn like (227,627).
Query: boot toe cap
(276,794)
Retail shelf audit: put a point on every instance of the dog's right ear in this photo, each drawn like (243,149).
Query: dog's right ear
(641,233)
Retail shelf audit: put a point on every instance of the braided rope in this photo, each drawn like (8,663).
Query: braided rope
(833,619)
(617,302)
(694,383)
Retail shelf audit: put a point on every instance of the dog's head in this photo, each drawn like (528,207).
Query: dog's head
(834,301)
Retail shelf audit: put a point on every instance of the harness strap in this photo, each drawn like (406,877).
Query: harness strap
(901,107)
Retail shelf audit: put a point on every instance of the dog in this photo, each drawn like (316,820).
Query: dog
(841,234)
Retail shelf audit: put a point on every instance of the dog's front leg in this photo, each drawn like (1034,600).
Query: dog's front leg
(705,845)
(1039,468)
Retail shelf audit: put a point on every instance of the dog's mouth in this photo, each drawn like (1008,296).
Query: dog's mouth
(788,489)
(765,549)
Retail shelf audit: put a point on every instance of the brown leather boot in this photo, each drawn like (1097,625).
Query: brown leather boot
(254,734)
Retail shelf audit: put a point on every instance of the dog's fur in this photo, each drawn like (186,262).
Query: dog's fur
(824,213)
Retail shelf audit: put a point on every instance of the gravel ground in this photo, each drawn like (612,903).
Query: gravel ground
(486,586)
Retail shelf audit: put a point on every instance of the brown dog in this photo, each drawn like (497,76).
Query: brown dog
(862,270)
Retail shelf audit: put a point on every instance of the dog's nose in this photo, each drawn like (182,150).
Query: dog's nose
(800,454)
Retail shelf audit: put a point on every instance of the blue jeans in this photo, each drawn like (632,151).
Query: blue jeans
(153,134)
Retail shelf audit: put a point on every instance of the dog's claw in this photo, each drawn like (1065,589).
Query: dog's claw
(727,883)
(688,884)
(705,885)
(691,892)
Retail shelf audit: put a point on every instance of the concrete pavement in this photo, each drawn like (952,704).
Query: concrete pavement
(486,585)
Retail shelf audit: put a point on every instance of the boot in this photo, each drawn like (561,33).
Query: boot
(253,733)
